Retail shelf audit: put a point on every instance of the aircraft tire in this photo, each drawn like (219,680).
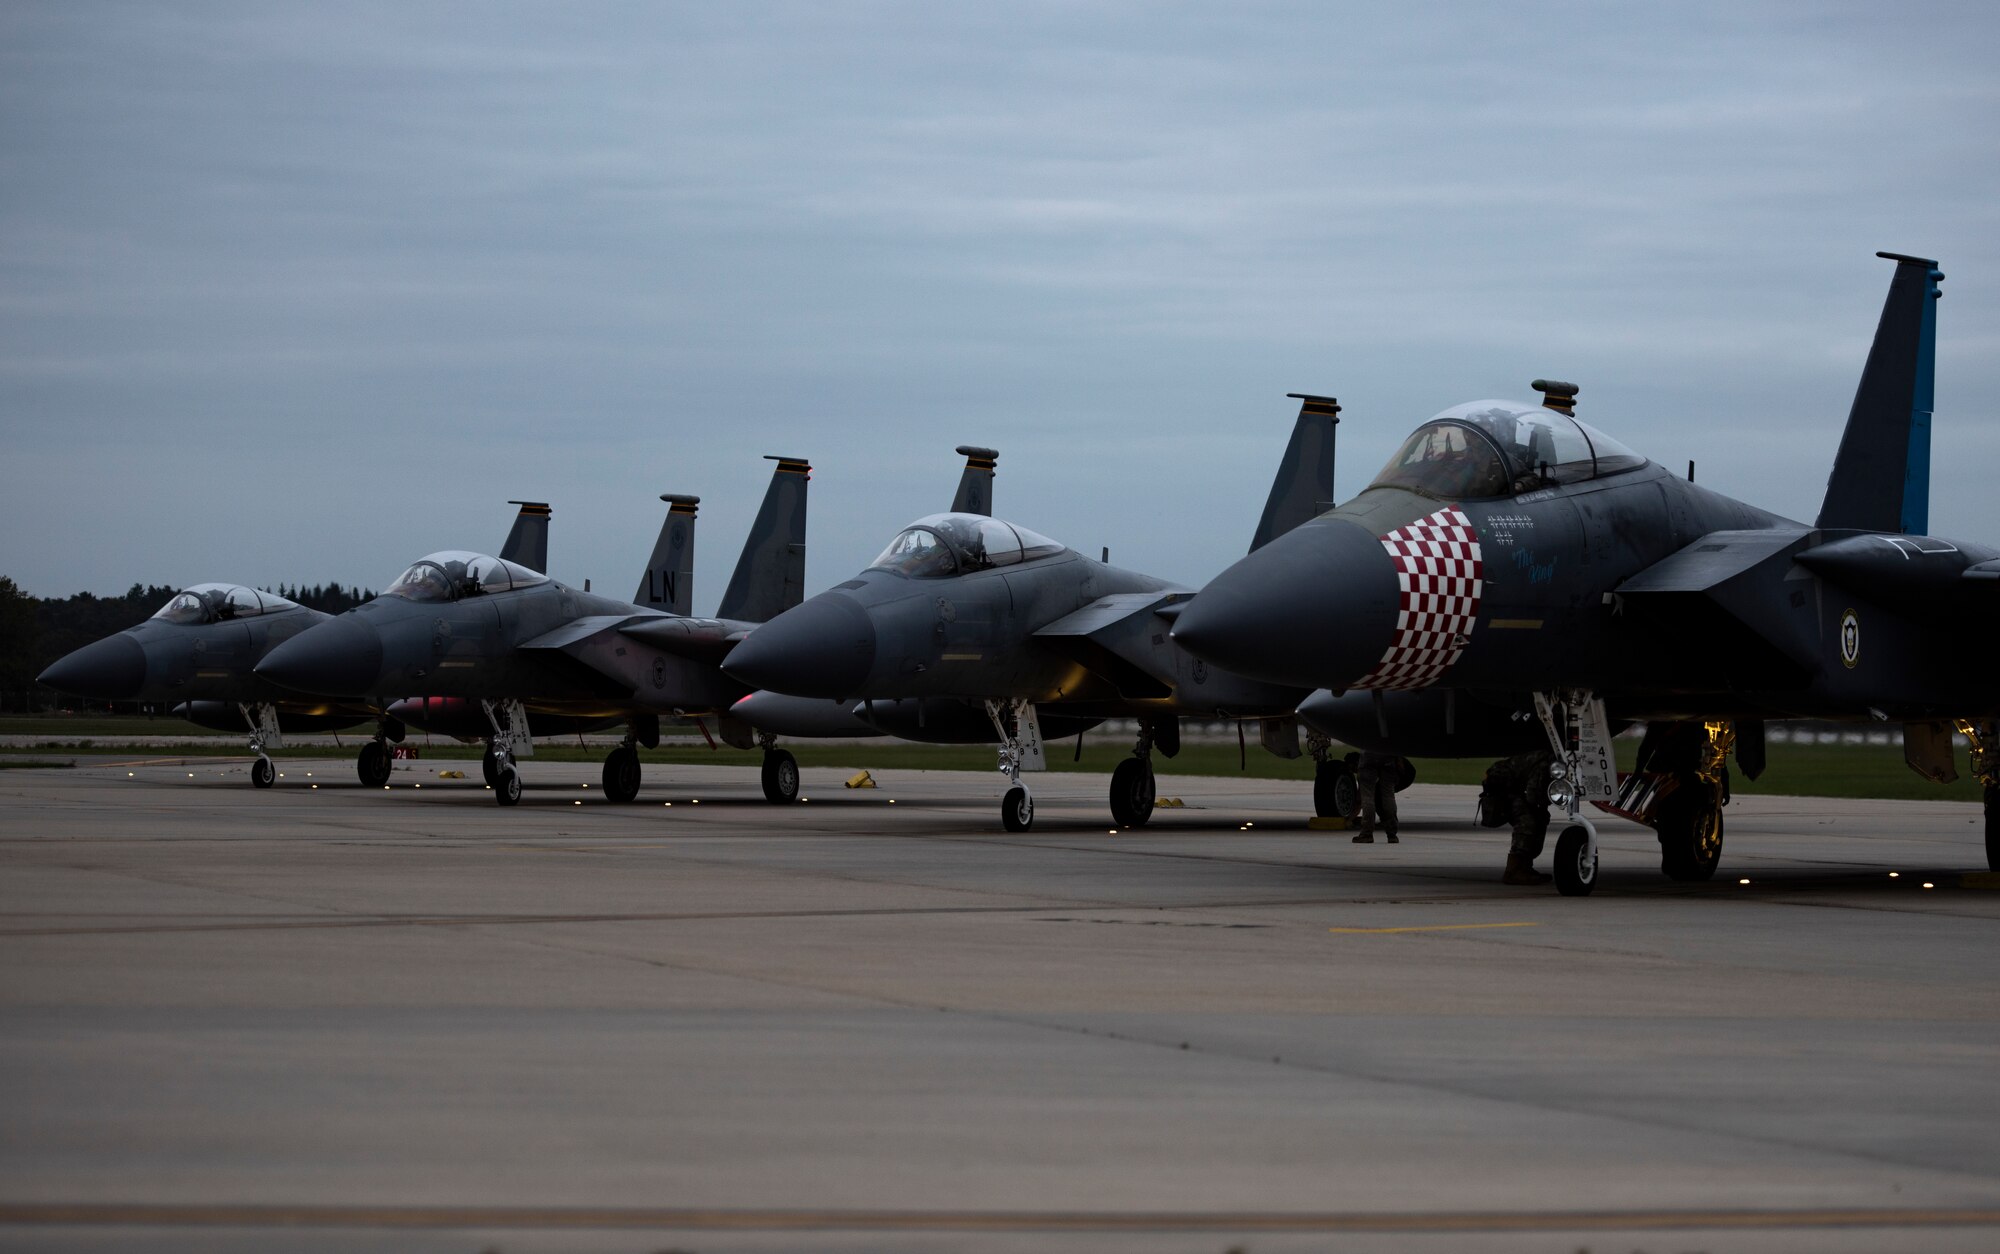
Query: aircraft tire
(1993,827)
(1575,868)
(1406,773)
(1132,793)
(507,789)
(621,774)
(372,764)
(1689,822)
(489,766)
(1017,810)
(780,777)
(1326,785)
(263,774)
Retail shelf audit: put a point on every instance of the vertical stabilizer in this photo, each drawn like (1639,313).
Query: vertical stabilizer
(528,542)
(771,575)
(975,487)
(1881,477)
(1303,489)
(669,580)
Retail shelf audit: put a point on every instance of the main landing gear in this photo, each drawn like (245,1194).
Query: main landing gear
(264,734)
(1984,737)
(1020,750)
(1688,764)
(780,774)
(621,773)
(509,723)
(372,763)
(1133,788)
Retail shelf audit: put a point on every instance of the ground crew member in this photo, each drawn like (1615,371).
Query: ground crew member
(1375,779)
(1516,790)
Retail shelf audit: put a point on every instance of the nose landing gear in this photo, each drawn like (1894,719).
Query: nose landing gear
(1580,733)
(509,723)
(1020,750)
(264,734)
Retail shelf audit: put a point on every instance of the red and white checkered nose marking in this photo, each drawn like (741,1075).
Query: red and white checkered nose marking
(1439,572)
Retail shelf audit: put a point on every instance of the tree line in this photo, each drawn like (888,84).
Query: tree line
(35,631)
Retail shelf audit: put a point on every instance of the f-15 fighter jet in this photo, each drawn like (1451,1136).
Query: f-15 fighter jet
(1507,548)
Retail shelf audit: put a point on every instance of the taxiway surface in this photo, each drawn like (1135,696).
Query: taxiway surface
(874,1020)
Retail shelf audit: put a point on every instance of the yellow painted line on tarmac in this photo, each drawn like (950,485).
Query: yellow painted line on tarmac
(707,1219)
(1433,927)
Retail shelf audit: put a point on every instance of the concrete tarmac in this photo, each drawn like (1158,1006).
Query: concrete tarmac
(324,1017)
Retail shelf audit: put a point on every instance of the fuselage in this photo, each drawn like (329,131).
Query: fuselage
(1561,583)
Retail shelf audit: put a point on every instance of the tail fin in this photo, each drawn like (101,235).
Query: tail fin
(1303,489)
(771,575)
(975,487)
(528,542)
(669,581)
(1881,477)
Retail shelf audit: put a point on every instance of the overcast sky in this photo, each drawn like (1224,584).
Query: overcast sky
(302,292)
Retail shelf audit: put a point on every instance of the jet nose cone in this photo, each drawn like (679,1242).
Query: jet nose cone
(340,657)
(111,669)
(1315,608)
(824,647)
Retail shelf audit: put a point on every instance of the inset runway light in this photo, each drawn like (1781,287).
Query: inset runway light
(129,775)
(1894,874)
(315,787)
(190,774)
(694,801)
(576,803)
(1928,884)
(1743,881)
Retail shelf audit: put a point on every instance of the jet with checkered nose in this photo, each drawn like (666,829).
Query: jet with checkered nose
(1509,555)
(963,611)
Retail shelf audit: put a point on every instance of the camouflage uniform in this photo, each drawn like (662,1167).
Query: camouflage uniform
(1375,783)
(1516,790)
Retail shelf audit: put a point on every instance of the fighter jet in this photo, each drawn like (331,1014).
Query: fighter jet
(518,644)
(965,608)
(1507,548)
(200,650)
(929,720)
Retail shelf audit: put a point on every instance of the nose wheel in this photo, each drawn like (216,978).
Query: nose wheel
(1017,809)
(262,773)
(780,777)
(1576,861)
(507,783)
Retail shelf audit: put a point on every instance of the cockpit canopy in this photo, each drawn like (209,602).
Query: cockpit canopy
(455,573)
(218,602)
(958,544)
(1501,448)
